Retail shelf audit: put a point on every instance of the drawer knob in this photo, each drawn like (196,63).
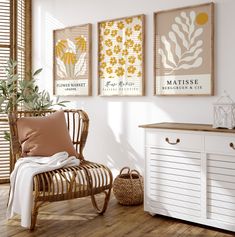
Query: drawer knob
(172,143)
(232,145)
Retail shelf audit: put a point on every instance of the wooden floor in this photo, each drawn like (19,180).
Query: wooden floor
(76,218)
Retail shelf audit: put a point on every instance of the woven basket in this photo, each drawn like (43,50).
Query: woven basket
(128,187)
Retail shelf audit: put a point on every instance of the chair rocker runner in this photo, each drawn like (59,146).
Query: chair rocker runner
(87,179)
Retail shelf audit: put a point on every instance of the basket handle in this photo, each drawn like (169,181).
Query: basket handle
(124,168)
(137,172)
(134,171)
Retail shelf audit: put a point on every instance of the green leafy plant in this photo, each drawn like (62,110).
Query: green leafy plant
(15,92)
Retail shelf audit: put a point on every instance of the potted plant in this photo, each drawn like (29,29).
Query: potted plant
(23,93)
(15,92)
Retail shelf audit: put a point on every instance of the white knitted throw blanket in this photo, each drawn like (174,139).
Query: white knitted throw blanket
(21,192)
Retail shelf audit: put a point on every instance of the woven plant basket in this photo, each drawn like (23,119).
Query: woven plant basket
(128,187)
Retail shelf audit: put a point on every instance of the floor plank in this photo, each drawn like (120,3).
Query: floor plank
(77,218)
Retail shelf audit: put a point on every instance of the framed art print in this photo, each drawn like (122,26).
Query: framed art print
(183,51)
(72,61)
(121,57)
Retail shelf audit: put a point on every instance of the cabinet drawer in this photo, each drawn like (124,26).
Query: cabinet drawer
(175,140)
(220,144)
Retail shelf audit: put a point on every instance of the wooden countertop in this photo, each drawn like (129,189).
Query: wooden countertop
(188,127)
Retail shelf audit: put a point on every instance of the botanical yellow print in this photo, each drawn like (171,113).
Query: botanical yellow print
(81,43)
(109,70)
(117,49)
(113,61)
(60,48)
(71,58)
(129,43)
(120,71)
(114,33)
(120,25)
(137,27)
(128,31)
(109,52)
(131,69)
(119,39)
(129,20)
(122,61)
(131,59)
(120,49)
(108,42)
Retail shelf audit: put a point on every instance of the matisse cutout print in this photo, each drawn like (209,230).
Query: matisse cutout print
(71,60)
(183,51)
(120,66)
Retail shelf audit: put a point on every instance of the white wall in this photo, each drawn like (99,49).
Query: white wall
(114,137)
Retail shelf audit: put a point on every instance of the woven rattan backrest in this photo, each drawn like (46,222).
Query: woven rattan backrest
(77,123)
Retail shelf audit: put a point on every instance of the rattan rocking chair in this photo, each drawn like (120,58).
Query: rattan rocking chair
(87,179)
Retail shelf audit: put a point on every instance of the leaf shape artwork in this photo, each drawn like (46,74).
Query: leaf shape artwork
(61,70)
(182,47)
(80,66)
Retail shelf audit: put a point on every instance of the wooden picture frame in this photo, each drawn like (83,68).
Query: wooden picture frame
(184,51)
(121,52)
(72,61)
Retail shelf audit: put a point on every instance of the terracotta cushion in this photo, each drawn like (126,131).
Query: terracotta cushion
(44,136)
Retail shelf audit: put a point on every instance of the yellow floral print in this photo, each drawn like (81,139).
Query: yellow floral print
(109,70)
(69,58)
(80,42)
(108,42)
(131,59)
(119,39)
(60,48)
(101,47)
(110,23)
(119,71)
(113,61)
(101,74)
(103,25)
(101,57)
(121,48)
(101,38)
(129,43)
(128,20)
(103,65)
(125,52)
(122,61)
(120,25)
(106,31)
(117,49)
(131,69)
(109,52)
(128,32)
(113,33)
(137,27)
(137,48)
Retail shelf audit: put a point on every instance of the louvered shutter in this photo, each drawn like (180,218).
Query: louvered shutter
(5,54)
(15,34)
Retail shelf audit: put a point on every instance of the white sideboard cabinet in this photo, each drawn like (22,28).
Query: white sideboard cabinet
(190,173)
